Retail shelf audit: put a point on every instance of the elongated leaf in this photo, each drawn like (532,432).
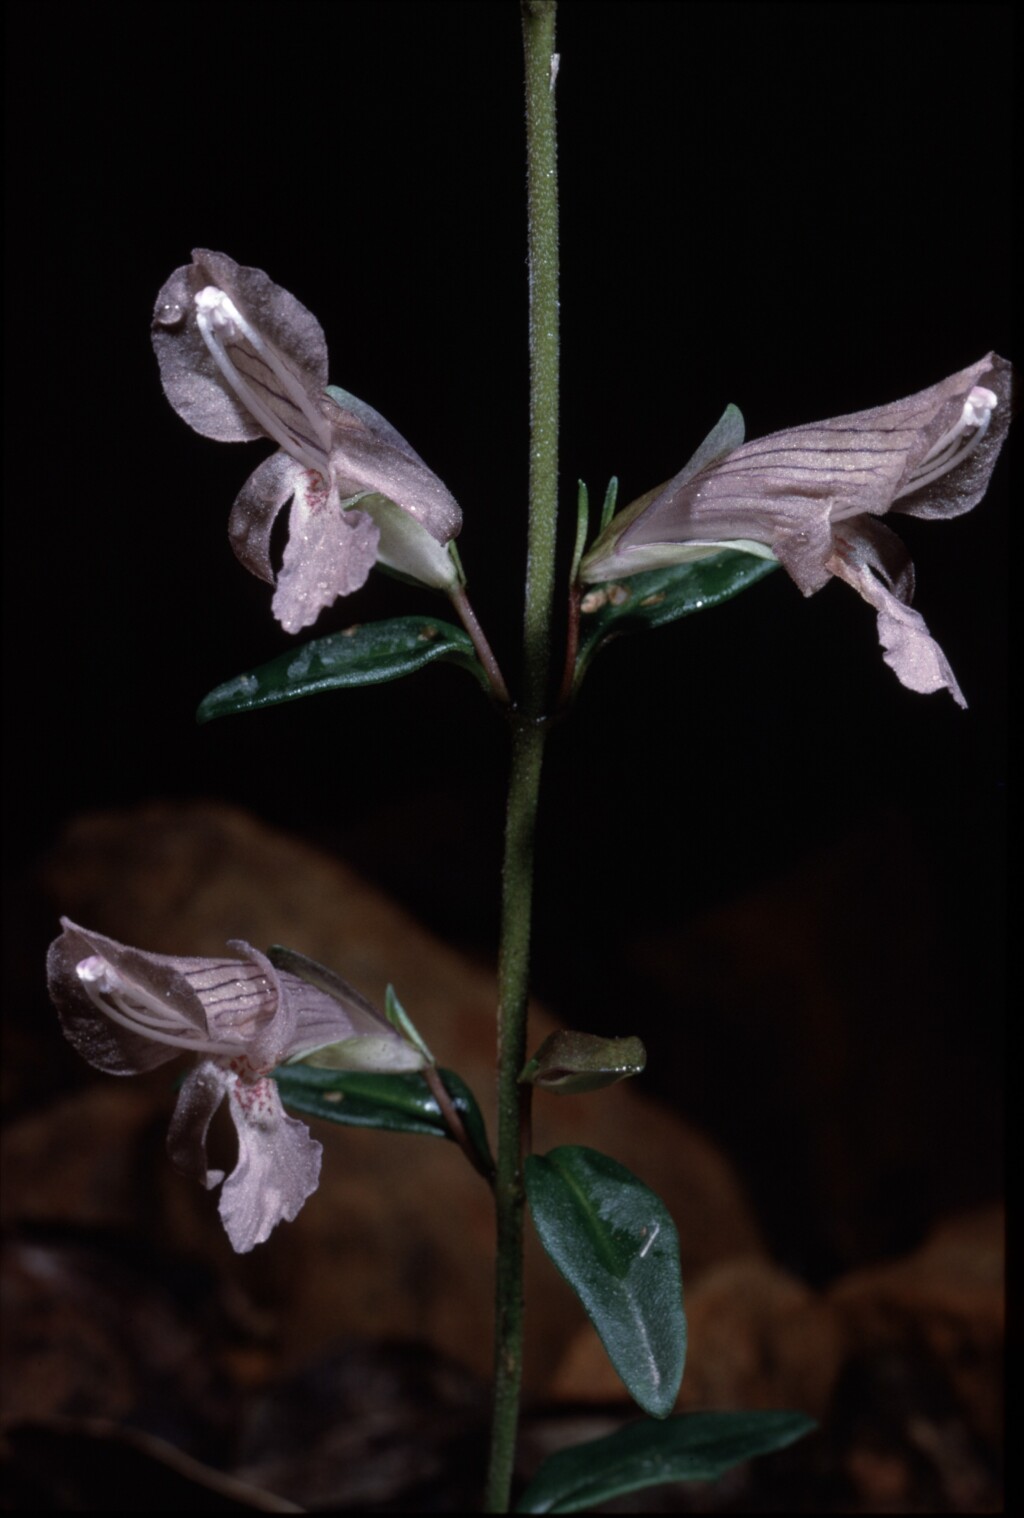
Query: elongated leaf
(611,496)
(664,595)
(397,1103)
(693,1447)
(362,655)
(615,1243)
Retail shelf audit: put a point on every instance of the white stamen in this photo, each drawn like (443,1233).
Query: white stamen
(957,444)
(141,1012)
(978,406)
(220,322)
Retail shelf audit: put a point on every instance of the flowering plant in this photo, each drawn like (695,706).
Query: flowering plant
(241,359)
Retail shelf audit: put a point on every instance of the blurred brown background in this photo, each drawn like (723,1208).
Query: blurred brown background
(758,851)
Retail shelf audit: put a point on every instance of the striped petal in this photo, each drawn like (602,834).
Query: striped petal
(127,1011)
(806,496)
(289,356)
(931,454)
(241,358)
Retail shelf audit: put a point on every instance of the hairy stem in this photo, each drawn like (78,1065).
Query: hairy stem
(527,742)
(513,982)
(542,189)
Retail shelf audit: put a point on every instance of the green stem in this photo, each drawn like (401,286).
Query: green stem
(527,742)
(542,190)
(513,990)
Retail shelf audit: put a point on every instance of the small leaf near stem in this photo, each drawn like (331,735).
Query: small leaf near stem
(569,1063)
(582,523)
(402,1023)
(611,495)
(661,596)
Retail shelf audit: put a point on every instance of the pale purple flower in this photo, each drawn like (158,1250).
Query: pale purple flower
(127,1011)
(241,358)
(811,497)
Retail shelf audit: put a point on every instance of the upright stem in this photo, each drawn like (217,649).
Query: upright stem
(513,988)
(542,190)
(528,739)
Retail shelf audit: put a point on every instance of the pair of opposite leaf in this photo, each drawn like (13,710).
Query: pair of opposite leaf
(241,358)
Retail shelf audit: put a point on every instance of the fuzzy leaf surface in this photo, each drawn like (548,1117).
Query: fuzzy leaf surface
(692,1447)
(660,596)
(366,654)
(613,1240)
(397,1103)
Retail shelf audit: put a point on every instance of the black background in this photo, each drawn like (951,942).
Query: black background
(803,209)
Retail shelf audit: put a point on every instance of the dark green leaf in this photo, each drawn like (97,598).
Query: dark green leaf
(693,1447)
(615,1243)
(664,595)
(398,1103)
(362,655)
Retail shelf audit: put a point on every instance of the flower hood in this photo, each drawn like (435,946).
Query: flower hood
(240,358)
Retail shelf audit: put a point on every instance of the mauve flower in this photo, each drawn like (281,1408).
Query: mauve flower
(127,1011)
(240,358)
(811,498)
